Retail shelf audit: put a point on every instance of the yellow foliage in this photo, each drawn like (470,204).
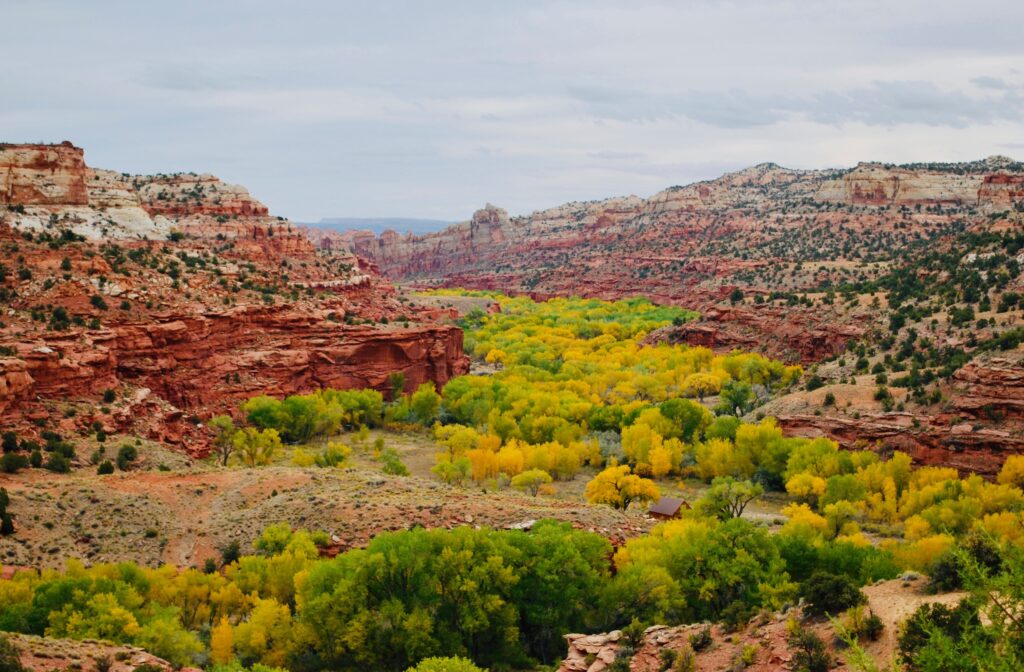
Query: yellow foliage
(638,440)
(510,460)
(484,463)
(617,487)
(802,520)
(661,461)
(806,487)
(920,554)
(1008,525)
(222,642)
(1012,472)
(303,458)
(916,527)
(719,457)
(265,634)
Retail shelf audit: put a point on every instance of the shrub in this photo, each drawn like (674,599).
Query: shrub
(828,593)
(931,623)
(109,396)
(531,481)
(393,463)
(126,454)
(106,467)
(860,622)
(809,653)
(10,659)
(10,442)
(335,455)
(230,552)
(12,463)
(445,665)
(634,633)
(58,463)
(701,639)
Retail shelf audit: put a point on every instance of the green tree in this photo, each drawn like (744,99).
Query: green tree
(736,398)
(728,498)
(531,481)
(224,431)
(396,383)
(453,472)
(425,403)
(126,455)
(256,447)
(453,664)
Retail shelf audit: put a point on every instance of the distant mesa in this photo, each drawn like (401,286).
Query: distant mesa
(379,225)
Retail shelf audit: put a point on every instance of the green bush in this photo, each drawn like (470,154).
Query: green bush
(927,636)
(58,463)
(10,659)
(126,455)
(10,442)
(809,652)
(827,593)
(701,639)
(106,467)
(12,463)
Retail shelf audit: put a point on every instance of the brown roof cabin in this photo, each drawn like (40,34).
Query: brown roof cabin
(667,508)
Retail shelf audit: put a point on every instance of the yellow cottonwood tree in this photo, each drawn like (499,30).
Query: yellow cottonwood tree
(222,642)
(618,487)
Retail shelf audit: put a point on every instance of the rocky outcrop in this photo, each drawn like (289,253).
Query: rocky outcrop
(184,194)
(15,381)
(46,654)
(1002,189)
(50,187)
(187,297)
(980,423)
(683,243)
(991,387)
(875,184)
(792,334)
(207,363)
(763,643)
(965,446)
(43,175)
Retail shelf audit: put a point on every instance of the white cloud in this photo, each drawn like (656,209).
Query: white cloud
(429,109)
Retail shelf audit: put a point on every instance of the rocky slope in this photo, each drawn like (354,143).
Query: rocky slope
(764,229)
(978,423)
(798,265)
(183,295)
(698,241)
(47,654)
(764,640)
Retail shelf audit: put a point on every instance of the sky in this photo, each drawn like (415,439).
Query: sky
(433,108)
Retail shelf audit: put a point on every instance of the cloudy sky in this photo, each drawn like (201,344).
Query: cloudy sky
(429,109)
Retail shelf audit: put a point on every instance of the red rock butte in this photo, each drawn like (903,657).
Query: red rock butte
(219,301)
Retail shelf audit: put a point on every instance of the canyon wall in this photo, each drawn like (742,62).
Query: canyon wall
(686,244)
(183,294)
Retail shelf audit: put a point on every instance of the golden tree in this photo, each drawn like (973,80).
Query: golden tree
(618,487)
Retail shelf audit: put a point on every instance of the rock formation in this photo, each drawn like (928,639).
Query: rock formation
(973,429)
(765,639)
(183,293)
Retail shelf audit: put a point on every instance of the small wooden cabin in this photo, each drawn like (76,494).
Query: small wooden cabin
(667,508)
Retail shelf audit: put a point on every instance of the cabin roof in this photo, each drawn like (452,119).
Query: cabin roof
(667,506)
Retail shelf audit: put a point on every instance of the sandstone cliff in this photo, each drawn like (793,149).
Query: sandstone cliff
(685,244)
(182,293)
